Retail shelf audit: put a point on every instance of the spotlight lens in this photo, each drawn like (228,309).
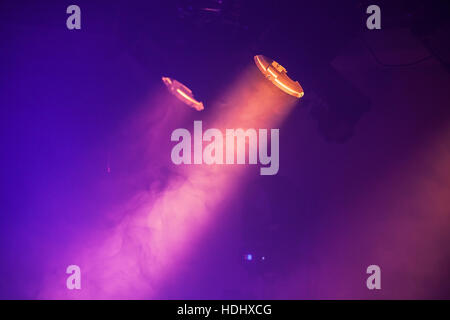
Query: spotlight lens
(183,93)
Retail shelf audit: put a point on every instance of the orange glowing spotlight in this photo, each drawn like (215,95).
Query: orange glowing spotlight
(277,74)
(183,93)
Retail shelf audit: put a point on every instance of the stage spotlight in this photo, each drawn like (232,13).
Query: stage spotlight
(183,93)
(277,74)
(249,257)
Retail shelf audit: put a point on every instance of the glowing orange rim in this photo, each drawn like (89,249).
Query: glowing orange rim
(182,93)
(278,78)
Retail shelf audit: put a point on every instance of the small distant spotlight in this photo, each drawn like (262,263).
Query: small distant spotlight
(183,93)
(249,257)
(278,76)
(263,258)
